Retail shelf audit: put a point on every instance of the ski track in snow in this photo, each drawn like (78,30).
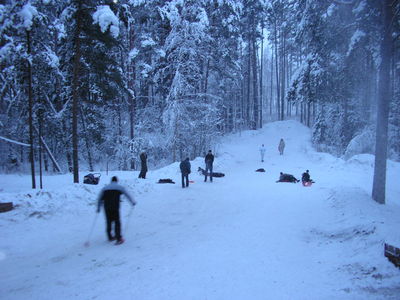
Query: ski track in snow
(243,236)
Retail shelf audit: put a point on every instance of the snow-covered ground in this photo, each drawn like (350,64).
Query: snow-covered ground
(243,236)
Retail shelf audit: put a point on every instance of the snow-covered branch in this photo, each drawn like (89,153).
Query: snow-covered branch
(14,142)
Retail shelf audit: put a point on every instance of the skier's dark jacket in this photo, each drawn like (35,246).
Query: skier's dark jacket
(209,159)
(143,161)
(110,196)
(185,167)
(305,177)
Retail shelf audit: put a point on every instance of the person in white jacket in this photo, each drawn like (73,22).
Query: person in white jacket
(262,152)
(281,146)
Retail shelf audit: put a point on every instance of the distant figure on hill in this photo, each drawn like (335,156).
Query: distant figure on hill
(281,146)
(305,178)
(209,160)
(110,197)
(262,152)
(185,170)
(287,178)
(143,165)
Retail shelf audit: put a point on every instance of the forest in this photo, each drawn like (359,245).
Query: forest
(86,85)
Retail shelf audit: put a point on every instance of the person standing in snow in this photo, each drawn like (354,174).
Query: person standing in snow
(185,170)
(281,146)
(209,160)
(143,164)
(262,152)
(110,198)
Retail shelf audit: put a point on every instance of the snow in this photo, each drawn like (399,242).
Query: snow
(356,37)
(106,18)
(27,13)
(148,42)
(243,236)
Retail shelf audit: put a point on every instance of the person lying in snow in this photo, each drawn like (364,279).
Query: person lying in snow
(287,178)
(214,174)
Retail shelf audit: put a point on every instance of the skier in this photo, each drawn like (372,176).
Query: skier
(281,146)
(287,178)
(110,196)
(209,160)
(143,162)
(262,152)
(185,170)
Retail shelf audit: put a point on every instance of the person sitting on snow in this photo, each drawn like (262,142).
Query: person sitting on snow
(283,177)
(305,178)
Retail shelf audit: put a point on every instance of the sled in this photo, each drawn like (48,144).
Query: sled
(393,254)
(307,183)
(92,178)
(7,206)
(191,181)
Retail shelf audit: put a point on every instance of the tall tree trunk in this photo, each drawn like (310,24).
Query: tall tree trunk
(131,85)
(256,107)
(283,79)
(278,94)
(30,99)
(379,183)
(87,141)
(75,92)
(248,82)
(40,148)
(272,84)
(261,77)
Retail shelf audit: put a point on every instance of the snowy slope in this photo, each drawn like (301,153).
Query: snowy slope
(243,236)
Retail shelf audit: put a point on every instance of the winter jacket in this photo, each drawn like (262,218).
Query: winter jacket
(209,159)
(110,196)
(185,167)
(143,161)
(281,145)
(305,177)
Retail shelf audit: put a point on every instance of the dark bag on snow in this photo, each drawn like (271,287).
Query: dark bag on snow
(92,178)
(167,180)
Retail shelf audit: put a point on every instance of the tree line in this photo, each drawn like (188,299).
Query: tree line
(90,82)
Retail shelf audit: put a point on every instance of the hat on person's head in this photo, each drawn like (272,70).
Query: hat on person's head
(187,158)
(209,151)
(114,179)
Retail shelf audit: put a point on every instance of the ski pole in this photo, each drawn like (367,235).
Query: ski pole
(87,243)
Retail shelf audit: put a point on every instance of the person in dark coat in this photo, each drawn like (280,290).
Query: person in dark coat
(143,162)
(283,177)
(109,197)
(185,170)
(209,160)
(306,179)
